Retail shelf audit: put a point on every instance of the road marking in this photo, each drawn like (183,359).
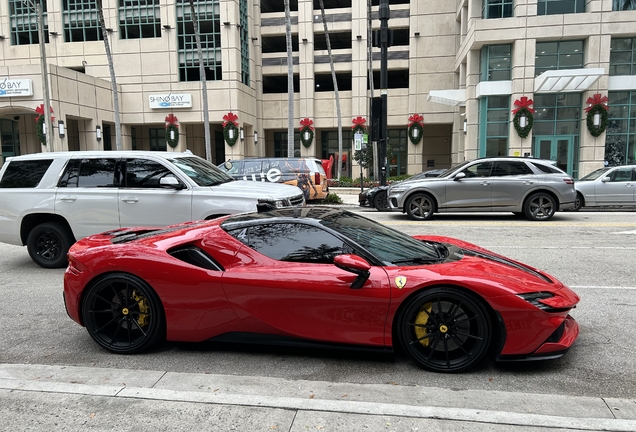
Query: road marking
(553,224)
(625,232)
(601,287)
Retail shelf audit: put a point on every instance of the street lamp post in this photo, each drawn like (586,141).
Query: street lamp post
(384,84)
(45,78)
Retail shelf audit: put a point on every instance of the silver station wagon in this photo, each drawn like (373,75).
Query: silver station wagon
(531,187)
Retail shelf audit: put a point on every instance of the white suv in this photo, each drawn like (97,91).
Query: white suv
(50,200)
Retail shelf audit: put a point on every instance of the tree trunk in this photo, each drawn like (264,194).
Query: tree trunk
(111,69)
(290,83)
(204,85)
(335,88)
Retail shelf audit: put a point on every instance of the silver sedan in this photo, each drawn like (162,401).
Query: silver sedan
(607,187)
(530,187)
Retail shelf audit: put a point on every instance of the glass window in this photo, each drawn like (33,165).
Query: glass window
(511,168)
(621,5)
(481,169)
(139,19)
(245,43)
(280,144)
(620,138)
(558,55)
(553,7)
(397,151)
(293,242)
(202,172)
(24,174)
(623,57)
(9,139)
(157,139)
(557,114)
(622,175)
(496,63)
(24,23)
(494,115)
(98,173)
(497,9)
(209,19)
(143,173)
(80,21)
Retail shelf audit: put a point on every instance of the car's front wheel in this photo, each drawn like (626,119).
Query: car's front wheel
(444,329)
(420,206)
(123,314)
(540,206)
(578,202)
(381,201)
(48,244)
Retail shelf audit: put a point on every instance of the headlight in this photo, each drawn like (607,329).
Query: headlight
(398,189)
(535,299)
(274,204)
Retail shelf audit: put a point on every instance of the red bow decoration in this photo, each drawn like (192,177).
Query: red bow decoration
(230,118)
(358,121)
(597,99)
(415,118)
(171,119)
(523,103)
(306,122)
(40,112)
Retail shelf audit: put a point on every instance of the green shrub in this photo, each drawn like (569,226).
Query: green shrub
(332,198)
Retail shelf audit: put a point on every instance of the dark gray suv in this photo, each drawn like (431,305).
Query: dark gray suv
(525,186)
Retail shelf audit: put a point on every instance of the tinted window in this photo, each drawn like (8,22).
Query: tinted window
(24,174)
(292,242)
(98,173)
(546,168)
(511,168)
(143,173)
(481,169)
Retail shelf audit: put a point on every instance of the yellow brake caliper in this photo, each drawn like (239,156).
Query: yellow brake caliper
(143,308)
(420,320)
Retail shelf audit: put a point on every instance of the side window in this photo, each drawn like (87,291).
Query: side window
(293,242)
(252,167)
(546,168)
(24,174)
(71,174)
(98,173)
(144,173)
(621,175)
(511,168)
(481,169)
(237,168)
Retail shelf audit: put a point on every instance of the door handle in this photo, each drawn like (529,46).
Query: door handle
(68,198)
(485,183)
(528,182)
(130,199)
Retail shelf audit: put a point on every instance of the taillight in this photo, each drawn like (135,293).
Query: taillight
(568,181)
(317,179)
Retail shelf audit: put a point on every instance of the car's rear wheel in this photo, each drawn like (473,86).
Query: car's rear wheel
(123,314)
(48,244)
(444,329)
(381,201)
(420,206)
(578,202)
(540,206)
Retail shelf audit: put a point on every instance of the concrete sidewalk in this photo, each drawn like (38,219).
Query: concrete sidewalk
(39,397)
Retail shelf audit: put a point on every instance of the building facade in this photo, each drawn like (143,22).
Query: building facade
(464,65)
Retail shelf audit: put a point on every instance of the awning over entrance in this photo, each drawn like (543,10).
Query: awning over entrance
(566,80)
(448,97)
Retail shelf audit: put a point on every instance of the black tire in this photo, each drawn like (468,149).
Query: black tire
(48,244)
(381,201)
(444,330)
(540,206)
(420,206)
(123,314)
(578,202)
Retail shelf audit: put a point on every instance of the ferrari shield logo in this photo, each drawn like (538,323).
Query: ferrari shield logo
(400,281)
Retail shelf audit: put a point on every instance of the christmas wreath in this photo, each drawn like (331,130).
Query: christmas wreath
(230,128)
(359,125)
(172,130)
(306,129)
(415,128)
(597,104)
(39,128)
(523,109)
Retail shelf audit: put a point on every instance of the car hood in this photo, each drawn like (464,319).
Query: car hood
(246,188)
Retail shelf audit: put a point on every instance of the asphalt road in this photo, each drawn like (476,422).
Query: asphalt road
(592,252)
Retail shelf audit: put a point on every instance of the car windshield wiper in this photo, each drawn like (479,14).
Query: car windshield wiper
(416,260)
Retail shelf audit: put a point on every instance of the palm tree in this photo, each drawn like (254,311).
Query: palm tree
(290,83)
(111,69)
(335,88)
(204,85)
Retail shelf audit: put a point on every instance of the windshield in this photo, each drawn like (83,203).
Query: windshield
(595,174)
(390,246)
(201,171)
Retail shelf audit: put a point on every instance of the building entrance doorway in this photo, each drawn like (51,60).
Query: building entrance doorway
(560,149)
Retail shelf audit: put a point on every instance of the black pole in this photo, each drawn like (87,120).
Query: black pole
(384,84)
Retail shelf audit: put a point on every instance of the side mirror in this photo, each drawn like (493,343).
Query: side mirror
(459,176)
(605,179)
(170,181)
(228,165)
(356,265)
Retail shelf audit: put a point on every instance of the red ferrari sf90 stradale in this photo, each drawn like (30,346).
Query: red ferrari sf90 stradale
(317,275)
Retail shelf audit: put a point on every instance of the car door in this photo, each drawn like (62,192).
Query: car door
(143,202)
(472,192)
(307,296)
(619,190)
(511,182)
(87,195)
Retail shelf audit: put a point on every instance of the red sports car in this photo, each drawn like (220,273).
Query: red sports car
(315,275)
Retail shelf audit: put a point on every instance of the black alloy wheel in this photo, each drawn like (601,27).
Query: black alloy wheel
(578,202)
(48,244)
(123,314)
(420,206)
(444,330)
(539,206)
(381,201)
